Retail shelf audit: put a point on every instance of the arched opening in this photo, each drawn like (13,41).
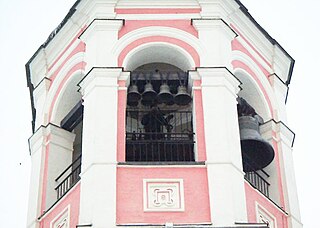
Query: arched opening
(257,152)
(159,125)
(68,114)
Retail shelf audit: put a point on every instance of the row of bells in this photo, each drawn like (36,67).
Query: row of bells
(149,95)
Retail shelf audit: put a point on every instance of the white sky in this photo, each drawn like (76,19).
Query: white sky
(25,25)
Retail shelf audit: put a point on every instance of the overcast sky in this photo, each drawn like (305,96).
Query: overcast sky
(25,25)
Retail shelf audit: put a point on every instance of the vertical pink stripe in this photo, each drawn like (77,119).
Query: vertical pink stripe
(201,143)
(121,128)
(45,174)
(277,160)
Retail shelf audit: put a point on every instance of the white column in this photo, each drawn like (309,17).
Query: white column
(98,177)
(37,152)
(215,36)
(285,140)
(100,38)
(224,162)
(53,144)
(60,147)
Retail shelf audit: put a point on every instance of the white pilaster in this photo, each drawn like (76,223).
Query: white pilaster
(286,137)
(224,162)
(56,143)
(98,177)
(60,147)
(37,152)
(40,94)
(100,38)
(216,36)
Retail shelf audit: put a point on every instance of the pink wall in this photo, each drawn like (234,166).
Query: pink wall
(130,195)
(73,199)
(253,196)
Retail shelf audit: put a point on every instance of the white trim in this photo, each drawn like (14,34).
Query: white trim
(148,31)
(185,54)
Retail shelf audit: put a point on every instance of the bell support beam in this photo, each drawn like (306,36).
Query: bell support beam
(226,178)
(99,152)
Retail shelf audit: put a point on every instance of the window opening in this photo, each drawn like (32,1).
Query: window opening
(159,118)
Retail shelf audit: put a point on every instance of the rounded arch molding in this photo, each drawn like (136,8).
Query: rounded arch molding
(158,44)
(256,88)
(63,93)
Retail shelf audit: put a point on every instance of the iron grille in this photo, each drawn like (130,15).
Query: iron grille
(70,176)
(159,135)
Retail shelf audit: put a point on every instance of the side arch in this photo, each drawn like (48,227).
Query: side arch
(256,88)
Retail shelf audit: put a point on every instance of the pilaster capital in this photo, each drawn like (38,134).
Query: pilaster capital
(50,134)
(101,77)
(101,25)
(218,77)
(211,24)
(278,131)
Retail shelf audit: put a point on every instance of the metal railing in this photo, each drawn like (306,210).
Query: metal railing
(159,135)
(257,181)
(159,147)
(68,178)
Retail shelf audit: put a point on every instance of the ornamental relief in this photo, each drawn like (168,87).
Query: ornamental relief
(163,195)
(263,216)
(62,220)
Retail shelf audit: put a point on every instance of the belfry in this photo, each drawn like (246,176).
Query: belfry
(161,114)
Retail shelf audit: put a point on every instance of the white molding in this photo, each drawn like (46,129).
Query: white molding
(149,31)
(100,77)
(184,61)
(157,4)
(101,25)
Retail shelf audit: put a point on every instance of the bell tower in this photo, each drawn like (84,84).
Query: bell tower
(161,114)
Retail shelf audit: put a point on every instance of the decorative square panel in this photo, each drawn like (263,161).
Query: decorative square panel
(163,195)
(263,216)
(62,219)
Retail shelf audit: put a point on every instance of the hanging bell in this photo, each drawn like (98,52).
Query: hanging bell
(257,153)
(133,103)
(133,95)
(165,96)
(182,97)
(149,94)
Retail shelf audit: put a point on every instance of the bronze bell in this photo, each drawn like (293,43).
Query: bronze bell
(257,153)
(165,96)
(182,97)
(149,94)
(133,95)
